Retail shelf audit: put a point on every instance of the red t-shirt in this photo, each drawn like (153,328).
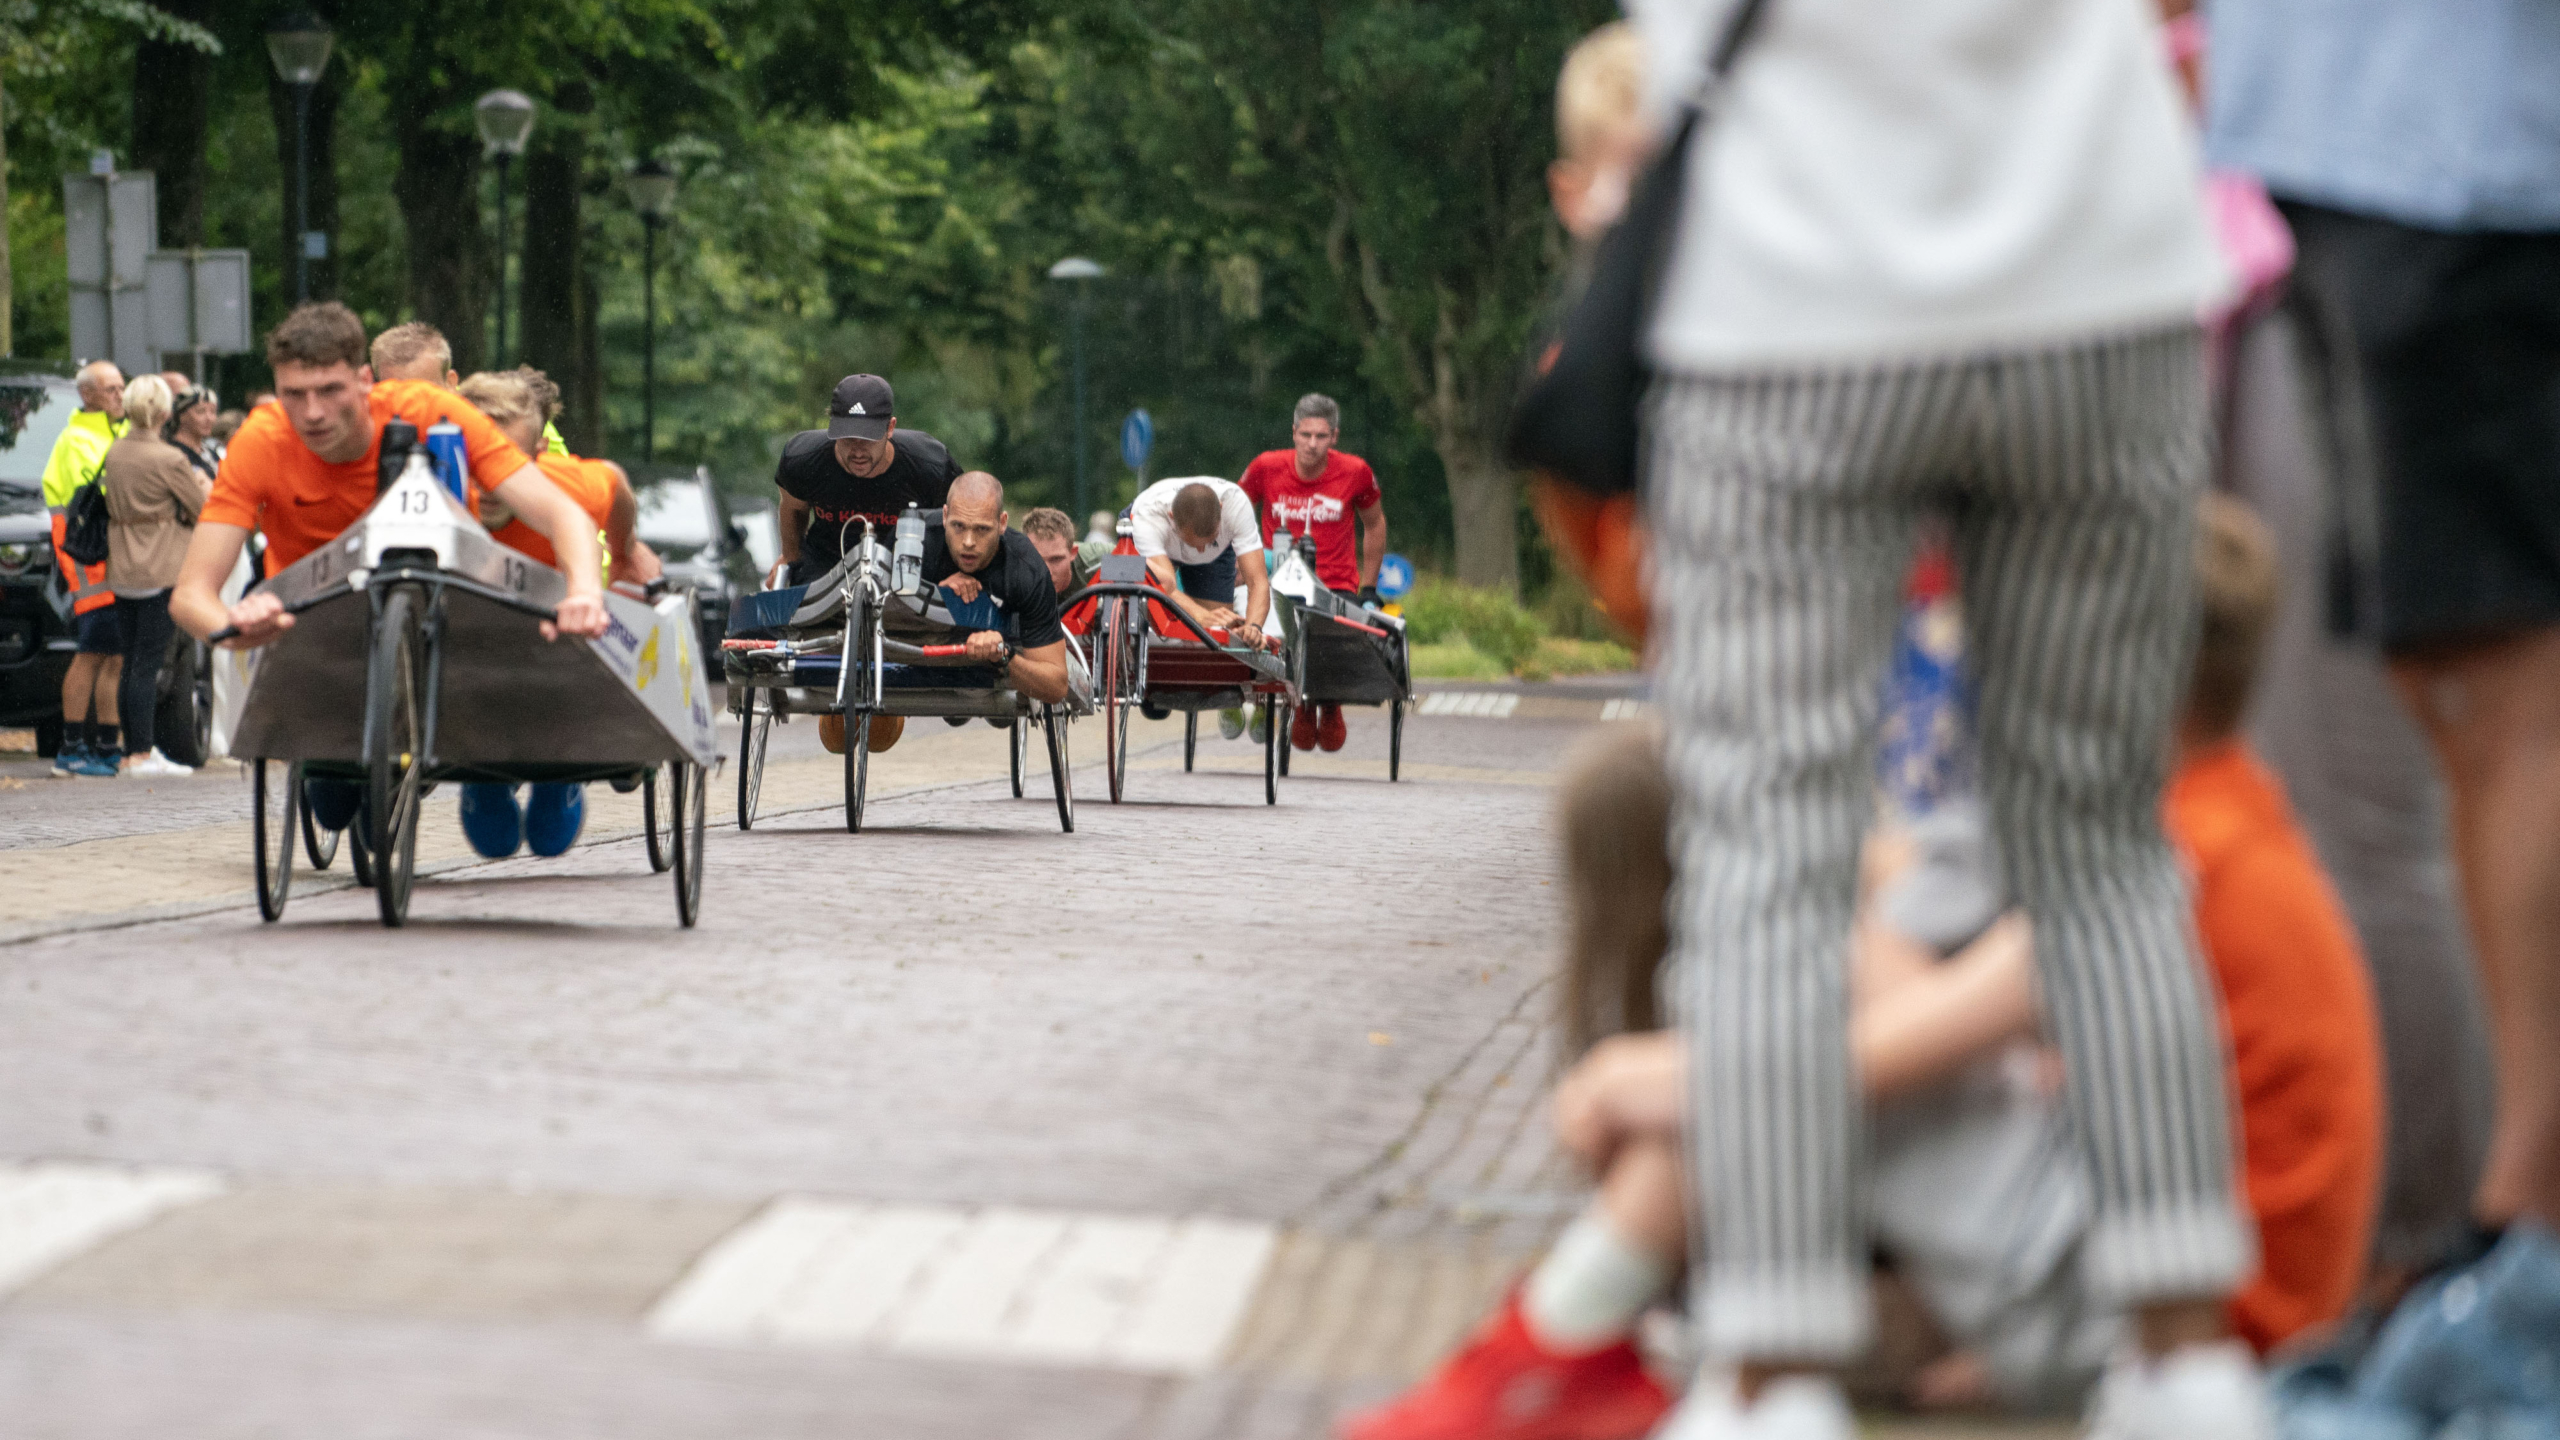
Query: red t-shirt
(2306,1048)
(1327,507)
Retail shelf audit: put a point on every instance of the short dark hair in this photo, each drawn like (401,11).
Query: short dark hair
(1312,406)
(322,332)
(1196,510)
(1051,521)
(2236,585)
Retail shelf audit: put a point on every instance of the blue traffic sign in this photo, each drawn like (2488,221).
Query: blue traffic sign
(1137,439)
(1395,577)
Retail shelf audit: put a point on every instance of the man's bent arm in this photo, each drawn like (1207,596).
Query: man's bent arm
(564,523)
(195,602)
(1257,587)
(1041,672)
(1161,567)
(1373,543)
(791,516)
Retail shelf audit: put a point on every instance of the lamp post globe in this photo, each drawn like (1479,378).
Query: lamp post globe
(505,118)
(652,188)
(1082,271)
(298,45)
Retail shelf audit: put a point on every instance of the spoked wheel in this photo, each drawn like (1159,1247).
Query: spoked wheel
(1119,692)
(1190,738)
(395,746)
(688,805)
(1280,718)
(662,841)
(1395,740)
(857,767)
(1275,758)
(275,798)
(754,736)
(319,846)
(1020,741)
(1053,722)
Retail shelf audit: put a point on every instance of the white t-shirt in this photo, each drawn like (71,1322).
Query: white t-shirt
(1151,522)
(1890,180)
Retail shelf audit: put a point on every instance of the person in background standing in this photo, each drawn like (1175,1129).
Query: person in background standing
(89,747)
(1313,489)
(191,429)
(153,497)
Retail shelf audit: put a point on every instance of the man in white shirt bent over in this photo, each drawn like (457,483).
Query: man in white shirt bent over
(1201,542)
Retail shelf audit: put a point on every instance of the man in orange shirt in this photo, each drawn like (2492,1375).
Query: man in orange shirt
(302,470)
(1977,1194)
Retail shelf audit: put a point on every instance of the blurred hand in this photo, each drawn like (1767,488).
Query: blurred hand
(579,615)
(1629,1085)
(260,618)
(1244,633)
(987,647)
(965,586)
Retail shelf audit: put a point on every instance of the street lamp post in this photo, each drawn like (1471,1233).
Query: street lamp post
(653,193)
(298,45)
(506,119)
(1083,272)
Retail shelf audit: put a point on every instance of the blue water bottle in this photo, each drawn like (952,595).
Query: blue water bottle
(444,451)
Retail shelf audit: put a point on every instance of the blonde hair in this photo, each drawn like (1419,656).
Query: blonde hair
(513,397)
(1600,89)
(402,346)
(147,403)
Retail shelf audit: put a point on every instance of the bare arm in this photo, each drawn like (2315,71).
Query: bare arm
(1373,543)
(1253,565)
(1932,1023)
(1039,672)
(561,520)
(791,516)
(1161,567)
(195,602)
(632,560)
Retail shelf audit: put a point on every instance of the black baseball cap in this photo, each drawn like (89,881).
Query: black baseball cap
(862,408)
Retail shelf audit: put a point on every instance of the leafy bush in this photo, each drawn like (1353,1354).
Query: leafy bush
(1440,611)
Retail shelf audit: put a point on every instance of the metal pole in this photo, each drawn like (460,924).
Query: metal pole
(301,193)
(503,159)
(1083,503)
(649,339)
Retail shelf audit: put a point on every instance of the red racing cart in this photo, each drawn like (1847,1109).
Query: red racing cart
(1145,653)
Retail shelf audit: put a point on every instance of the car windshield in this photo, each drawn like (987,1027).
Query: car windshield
(31,419)
(675,518)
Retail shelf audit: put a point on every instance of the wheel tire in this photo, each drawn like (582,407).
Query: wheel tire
(1115,693)
(755,737)
(359,853)
(275,799)
(395,742)
(182,712)
(857,769)
(1279,724)
(318,846)
(1275,761)
(1190,738)
(1061,774)
(1395,741)
(663,851)
(1018,743)
(688,806)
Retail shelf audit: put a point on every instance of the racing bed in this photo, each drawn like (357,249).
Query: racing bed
(1150,654)
(416,658)
(1343,653)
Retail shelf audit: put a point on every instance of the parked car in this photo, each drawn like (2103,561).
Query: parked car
(708,548)
(35,609)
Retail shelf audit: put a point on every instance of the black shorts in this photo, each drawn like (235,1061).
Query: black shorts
(94,632)
(2440,354)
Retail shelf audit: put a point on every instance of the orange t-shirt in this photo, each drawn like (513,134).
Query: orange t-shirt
(588,482)
(271,482)
(2306,1050)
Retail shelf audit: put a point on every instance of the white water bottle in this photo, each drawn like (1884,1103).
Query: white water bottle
(906,560)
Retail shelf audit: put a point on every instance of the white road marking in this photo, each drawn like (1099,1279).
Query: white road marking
(1031,1286)
(1625,709)
(53,1210)
(1474,704)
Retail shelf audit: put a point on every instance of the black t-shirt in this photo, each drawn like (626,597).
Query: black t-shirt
(919,473)
(1017,578)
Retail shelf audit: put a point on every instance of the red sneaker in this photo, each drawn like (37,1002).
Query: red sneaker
(1330,731)
(1503,1385)
(1302,728)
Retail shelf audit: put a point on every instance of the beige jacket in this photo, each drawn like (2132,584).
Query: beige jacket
(150,487)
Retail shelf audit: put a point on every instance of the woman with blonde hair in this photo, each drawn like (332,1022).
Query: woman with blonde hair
(153,496)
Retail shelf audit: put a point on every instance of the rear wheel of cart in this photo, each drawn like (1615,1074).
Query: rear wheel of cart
(662,839)
(1275,758)
(275,799)
(1190,738)
(1281,718)
(182,711)
(1395,739)
(1019,741)
(1053,722)
(319,846)
(755,735)
(1119,690)
(857,767)
(688,806)
(395,747)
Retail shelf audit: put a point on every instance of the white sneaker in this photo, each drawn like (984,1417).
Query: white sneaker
(1793,1407)
(2197,1392)
(155,763)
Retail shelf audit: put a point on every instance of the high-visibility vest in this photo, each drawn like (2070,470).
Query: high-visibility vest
(77,455)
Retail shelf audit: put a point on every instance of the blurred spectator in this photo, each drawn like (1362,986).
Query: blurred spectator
(226,425)
(1947,256)
(191,429)
(154,494)
(90,745)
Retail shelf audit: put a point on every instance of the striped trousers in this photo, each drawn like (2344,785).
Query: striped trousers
(1784,509)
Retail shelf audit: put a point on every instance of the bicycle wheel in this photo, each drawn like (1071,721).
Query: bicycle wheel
(275,798)
(395,748)
(1275,761)
(1395,740)
(662,844)
(318,846)
(754,737)
(1115,692)
(1018,743)
(1190,738)
(1279,727)
(857,767)
(688,805)
(1054,722)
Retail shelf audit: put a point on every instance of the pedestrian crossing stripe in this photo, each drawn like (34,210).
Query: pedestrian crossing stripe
(52,1210)
(1474,704)
(1150,1294)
